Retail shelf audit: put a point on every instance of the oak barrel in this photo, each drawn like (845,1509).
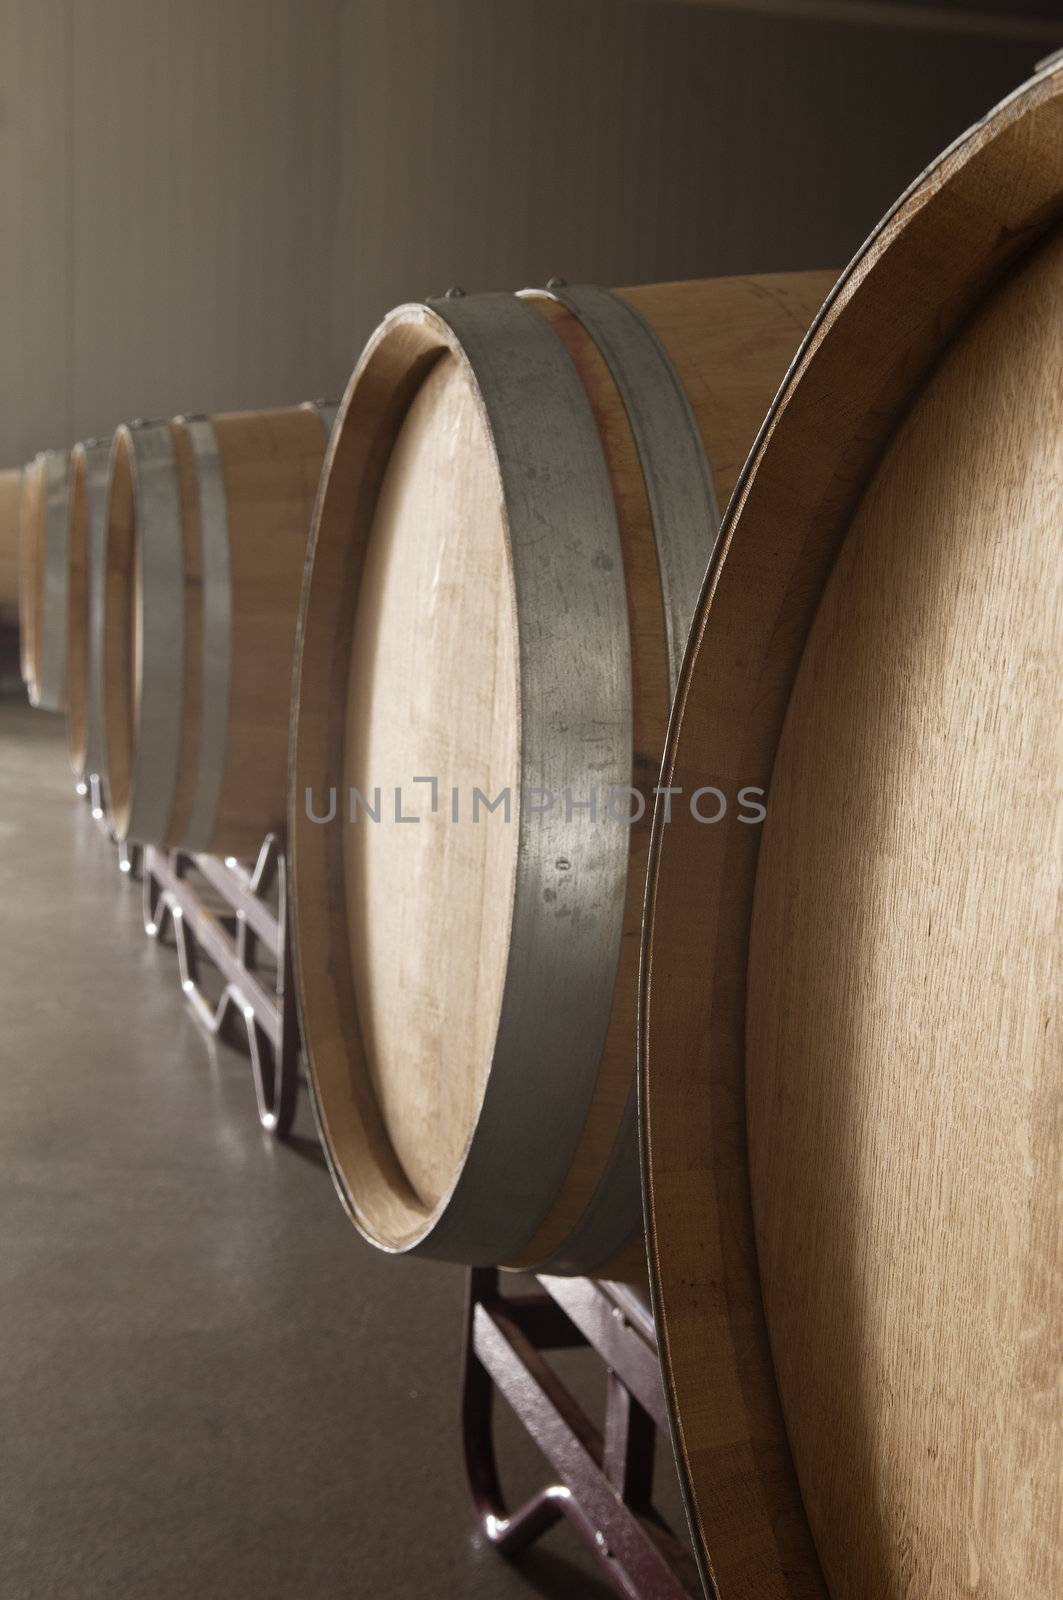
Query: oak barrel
(520,500)
(850,1046)
(89,481)
(207,525)
(10,518)
(44,578)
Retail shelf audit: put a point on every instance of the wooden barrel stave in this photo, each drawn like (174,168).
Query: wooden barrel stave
(89,479)
(144,628)
(272,463)
(29,556)
(935,259)
(882,955)
(206,542)
(43,590)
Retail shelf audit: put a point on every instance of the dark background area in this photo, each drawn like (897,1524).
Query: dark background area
(210,205)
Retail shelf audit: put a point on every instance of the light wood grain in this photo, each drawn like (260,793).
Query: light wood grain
(731,340)
(271,463)
(374,1182)
(930,265)
(433,692)
(904,1056)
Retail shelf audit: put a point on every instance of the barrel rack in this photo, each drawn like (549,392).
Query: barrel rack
(235,918)
(90,788)
(238,920)
(604,1481)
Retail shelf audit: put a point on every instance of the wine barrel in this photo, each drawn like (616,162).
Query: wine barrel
(207,524)
(89,481)
(10,517)
(850,1042)
(44,578)
(520,501)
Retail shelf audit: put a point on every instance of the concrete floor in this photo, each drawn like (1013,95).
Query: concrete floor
(208,1385)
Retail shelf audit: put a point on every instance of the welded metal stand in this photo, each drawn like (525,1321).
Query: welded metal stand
(603,1483)
(90,789)
(234,941)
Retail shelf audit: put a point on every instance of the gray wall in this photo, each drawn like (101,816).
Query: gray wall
(168,195)
(208,204)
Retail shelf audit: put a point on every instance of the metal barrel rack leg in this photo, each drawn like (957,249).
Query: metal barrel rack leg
(234,941)
(95,797)
(130,858)
(90,788)
(604,1481)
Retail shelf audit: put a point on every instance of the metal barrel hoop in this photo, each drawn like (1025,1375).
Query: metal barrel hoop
(51,678)
(97,481)
(575,675)
(686,523)
(158,734)
(216,659)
